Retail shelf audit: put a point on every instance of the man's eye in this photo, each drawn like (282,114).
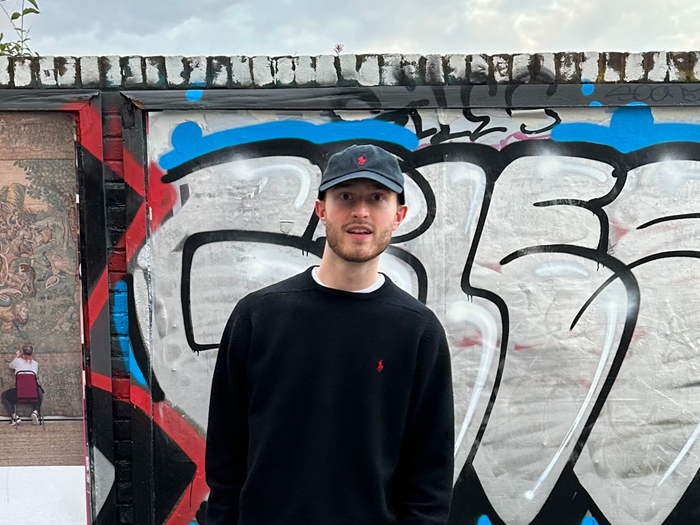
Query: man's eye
(378,197)
(344,196)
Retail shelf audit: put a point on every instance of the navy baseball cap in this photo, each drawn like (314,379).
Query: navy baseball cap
(363,162)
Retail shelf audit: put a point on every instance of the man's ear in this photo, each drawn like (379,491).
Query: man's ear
(321,210)
(400,215)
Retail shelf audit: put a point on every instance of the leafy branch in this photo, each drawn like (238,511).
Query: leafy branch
(19,47)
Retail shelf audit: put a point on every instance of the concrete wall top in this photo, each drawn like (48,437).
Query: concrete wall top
(178,72)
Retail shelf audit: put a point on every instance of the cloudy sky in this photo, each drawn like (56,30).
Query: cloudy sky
(312,27)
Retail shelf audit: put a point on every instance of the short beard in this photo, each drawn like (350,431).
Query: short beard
(333,240)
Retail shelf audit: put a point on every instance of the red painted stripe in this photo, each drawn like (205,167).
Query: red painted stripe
(136,233)
(117,166)
(121,389)
(121,243)
(117,261)
(98,299)
(91,130)
(113,148)
(115,276)
(141,399)
(191,443)
(99,381)
(134,173)
(189,440)
(161,197)
(112,125)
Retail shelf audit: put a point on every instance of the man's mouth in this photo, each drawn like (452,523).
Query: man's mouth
(359,231)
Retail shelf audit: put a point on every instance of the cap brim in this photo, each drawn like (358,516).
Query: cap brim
(363,175)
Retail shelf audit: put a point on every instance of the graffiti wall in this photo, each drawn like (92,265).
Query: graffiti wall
(40,309)
(559,248)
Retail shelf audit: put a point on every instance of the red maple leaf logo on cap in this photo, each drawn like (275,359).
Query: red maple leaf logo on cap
(361,160)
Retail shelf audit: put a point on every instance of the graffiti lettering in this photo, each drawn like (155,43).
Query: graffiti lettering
(653,93)
(563,269)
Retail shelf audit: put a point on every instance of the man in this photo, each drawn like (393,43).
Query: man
(331,401)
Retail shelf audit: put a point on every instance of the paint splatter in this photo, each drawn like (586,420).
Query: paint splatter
(194,95)
(632,127)
(189,142)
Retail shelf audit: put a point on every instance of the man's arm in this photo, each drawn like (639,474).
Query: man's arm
(227,430)
(423,483)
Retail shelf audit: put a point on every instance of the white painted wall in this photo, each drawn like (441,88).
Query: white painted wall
(43,495)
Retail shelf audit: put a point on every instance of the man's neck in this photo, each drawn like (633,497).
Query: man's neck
(340,274)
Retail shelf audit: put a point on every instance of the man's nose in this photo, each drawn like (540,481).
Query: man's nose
(360,209)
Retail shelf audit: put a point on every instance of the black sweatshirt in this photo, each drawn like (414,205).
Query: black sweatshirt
(330,407)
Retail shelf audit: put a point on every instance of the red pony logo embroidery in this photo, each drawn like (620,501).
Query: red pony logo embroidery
(380,365)
(361,160)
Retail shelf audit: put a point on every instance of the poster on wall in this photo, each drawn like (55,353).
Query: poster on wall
(41,439)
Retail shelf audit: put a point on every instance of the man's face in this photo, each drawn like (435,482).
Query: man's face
(359,216)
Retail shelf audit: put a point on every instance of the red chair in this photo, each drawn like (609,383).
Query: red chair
(28,391)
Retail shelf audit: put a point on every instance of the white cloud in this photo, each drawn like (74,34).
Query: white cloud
(277,27)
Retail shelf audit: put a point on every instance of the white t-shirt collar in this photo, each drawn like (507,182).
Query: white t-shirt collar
(378,283)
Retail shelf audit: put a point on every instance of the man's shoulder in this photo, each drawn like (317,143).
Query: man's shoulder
(296,283)
(401,299)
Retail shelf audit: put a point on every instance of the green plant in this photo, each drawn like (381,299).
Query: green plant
(19,47)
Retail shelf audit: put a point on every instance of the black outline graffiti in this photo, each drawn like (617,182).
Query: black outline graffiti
(586,205)
(689,254)
(622,272)
(493,163)
(669,218)
(548,112)
(196,241)
(427,191)
(304,243)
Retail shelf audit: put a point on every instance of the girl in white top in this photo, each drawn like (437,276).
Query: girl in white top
(23,361)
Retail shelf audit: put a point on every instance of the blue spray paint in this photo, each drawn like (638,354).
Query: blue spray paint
(589,520)
(587,89)
(484,520)
(194,95)
(121,324)
(632,127)
(189,142)
(120,314)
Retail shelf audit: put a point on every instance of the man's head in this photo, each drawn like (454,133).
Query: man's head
(359,202)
